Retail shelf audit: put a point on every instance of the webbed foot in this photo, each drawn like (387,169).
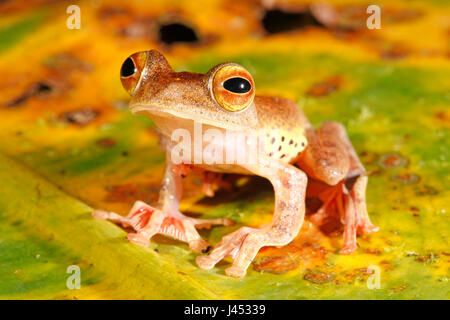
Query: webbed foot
(351,209)
(148,221)
(230,245)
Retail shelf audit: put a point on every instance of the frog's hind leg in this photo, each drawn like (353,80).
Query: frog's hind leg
(331,158)
(326,157)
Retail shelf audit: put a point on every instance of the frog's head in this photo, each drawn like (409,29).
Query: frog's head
(223,97)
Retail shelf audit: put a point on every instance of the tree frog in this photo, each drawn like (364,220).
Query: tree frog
(294,152)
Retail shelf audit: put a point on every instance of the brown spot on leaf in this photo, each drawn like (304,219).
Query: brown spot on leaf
(428,258)
(396,15)
(406,178)
(36,89)
(304,251)
(358,274)
(399,288)
(64,63)
(373,251)
(107,12)
(274,264)
(318,277)
(394,52)
(386,265)
(284,17)
(106,142)
(426,191)
(325,87)
(80,117)
(392,160)
(364,271)
(443,116)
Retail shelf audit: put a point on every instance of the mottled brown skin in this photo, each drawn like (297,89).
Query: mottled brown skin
(292,150)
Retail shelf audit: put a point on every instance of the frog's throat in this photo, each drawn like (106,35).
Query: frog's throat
(150,110)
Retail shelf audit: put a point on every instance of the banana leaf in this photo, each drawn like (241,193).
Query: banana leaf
(68,144)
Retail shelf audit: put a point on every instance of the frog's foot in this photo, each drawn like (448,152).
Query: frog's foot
(350,206)
(230,245)
(329,200)
(148,221)
(331,159)
(243,246)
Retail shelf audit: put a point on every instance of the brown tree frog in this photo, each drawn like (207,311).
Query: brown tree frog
(293,151)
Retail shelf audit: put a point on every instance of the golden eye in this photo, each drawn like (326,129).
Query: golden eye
(131,70)
(233,87)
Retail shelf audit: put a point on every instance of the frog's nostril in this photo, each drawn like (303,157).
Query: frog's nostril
(128,68)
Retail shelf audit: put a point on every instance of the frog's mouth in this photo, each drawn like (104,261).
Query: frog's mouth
(149,110)
(140,109)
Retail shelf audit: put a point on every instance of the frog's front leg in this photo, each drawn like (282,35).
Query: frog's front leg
(289,184)
(166,219)
(331,158)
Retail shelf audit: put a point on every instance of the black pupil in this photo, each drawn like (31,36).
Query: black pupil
(128,68)
(237,85)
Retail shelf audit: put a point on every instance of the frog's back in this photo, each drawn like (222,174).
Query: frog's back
(283,124)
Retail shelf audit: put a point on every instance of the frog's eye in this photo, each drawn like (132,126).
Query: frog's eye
(131,70)
(233,87)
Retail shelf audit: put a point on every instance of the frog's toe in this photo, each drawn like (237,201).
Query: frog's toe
(368,228)
(205,262)
(348,249)
(227,222)
(112,216)
(100,214)
(139,239)
(235,272)
(199,245)
(229,246)
(319,216)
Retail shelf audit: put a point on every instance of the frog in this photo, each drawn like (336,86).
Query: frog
(292,153)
